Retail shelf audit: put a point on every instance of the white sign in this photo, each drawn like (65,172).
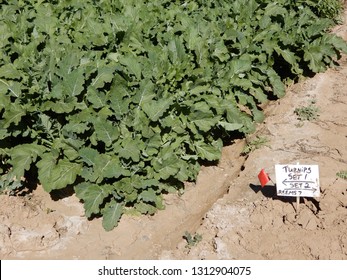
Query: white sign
(297,180)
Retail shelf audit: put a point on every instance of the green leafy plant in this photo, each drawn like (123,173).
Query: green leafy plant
(123,100)
(192,240)
(342,174)
(331,9)
(254,144)
(307,113)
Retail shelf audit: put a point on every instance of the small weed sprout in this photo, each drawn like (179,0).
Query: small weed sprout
(308,113)
(342,174)
(252,145)
(192,240)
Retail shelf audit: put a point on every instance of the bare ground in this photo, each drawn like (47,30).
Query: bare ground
(236,218)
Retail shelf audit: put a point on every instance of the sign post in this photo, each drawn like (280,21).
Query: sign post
(297,181)
(298,198)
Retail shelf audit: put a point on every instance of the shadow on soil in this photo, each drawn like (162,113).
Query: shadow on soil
(269,191)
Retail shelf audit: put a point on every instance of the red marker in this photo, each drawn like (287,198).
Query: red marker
(263,178)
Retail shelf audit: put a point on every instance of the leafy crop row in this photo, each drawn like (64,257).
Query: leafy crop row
(124,99)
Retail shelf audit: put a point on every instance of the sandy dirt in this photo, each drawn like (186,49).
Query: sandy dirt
(236,218)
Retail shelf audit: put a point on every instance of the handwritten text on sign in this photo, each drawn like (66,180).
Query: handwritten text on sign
(297,180)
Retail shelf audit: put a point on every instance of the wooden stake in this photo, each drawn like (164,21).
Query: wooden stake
(297,199)
(272,181)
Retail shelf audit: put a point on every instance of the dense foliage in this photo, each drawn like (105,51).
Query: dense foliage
(124,99)
(327,8)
